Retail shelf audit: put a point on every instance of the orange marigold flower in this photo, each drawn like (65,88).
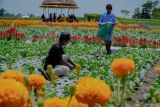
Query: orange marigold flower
(41,93)
(92,90)
(13,74)
(55,102)
(122,66)
(27,105)
(30,102)
(37,81)
(75,103)
(157,69)
(12,93)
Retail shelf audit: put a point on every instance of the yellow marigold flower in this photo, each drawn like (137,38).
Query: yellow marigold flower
(12,93)
(157,69)
(122,66)
(55,102)
(92,90)
(75,103)
(37,81)
(78,68)
(13,74)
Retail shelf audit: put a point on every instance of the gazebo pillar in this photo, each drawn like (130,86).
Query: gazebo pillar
(56,11)
(48,12)
(61,10)
(68,11)
(44,12)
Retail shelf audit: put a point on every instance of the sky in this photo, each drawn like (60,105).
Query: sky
(85,6)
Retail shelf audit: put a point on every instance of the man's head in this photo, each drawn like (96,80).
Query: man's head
(64,38)
(109,8)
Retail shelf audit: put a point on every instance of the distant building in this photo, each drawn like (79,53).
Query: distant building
(26,16)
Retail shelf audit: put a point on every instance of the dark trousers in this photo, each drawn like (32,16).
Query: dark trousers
(108,46)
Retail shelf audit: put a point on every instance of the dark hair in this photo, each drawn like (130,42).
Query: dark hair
(109,6)
(64,36)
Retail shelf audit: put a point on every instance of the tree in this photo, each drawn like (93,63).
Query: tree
(147,9)
(156,13)
(32,15)
(146,13)
(137,13)
(7,14)
(19,15)
(154,5)
(125,12)
(2,11)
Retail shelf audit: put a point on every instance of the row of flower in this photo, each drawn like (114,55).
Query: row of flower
(87,24)
(13,33)
(79,25)
(19,22)
(81,32)
(132,42)
(33,22)
(117,29)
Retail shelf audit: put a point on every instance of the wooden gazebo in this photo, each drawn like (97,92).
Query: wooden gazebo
(58,4)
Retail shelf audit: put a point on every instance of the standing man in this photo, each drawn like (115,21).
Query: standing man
(108,18)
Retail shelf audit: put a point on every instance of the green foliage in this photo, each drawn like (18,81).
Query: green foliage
(92,17)
(137,13)
(149,22)
(1,70)
(2,11)
(125,12)
(10,16)
(149,9)
(156,13)
(28,68)
(154,91)
(143,45)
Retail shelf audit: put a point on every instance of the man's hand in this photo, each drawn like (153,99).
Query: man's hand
(114,24)
(71,67)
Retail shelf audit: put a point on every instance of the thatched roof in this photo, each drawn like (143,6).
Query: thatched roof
(59,4)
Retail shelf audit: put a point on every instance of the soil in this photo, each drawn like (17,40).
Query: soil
(138,99)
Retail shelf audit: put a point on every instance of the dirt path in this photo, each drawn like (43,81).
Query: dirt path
(138,99)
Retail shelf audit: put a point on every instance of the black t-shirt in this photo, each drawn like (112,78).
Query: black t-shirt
(54,56)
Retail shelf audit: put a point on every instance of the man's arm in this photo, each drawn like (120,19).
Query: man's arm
(67,64)
(115,22)
(100,22)
(70,61)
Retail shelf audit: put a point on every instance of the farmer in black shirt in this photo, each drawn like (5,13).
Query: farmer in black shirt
(60,62)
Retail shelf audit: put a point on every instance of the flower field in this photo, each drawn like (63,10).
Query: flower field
(99,80)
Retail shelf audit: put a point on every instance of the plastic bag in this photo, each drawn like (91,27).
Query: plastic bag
(104,29)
